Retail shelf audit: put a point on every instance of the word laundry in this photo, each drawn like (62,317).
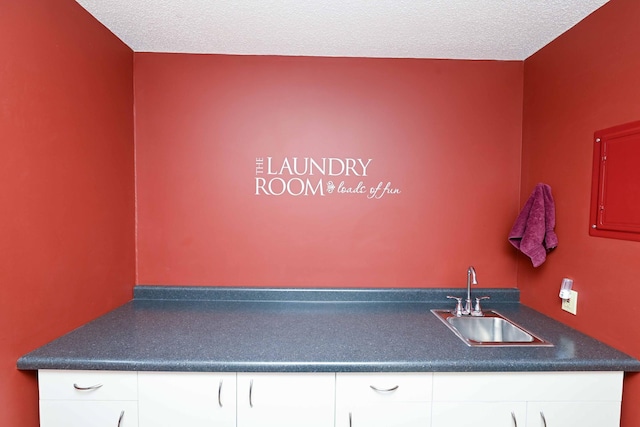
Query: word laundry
(326,166)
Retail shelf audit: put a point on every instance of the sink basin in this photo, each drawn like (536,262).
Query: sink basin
(490,330)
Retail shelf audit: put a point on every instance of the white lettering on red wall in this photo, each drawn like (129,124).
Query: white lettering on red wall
(306,176)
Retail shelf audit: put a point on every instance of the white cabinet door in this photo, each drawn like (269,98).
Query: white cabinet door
(286,400)
(87,413)
(399,414)
(193,399)
(479,414)
(582,414)
(383,399)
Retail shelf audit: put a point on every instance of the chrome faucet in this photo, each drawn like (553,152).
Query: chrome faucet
(471,280)
(469,309)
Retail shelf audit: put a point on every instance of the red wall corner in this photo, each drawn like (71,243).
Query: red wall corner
(585,80)
(67,183)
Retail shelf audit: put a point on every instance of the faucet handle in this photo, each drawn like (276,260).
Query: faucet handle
(458,311)
(477,310)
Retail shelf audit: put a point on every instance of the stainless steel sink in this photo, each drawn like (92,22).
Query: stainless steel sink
(490,330)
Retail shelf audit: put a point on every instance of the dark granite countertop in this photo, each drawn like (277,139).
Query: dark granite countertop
(318,330)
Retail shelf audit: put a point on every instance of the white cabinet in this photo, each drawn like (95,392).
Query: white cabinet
(88,398)
(531,399)
(286,399)
(201,399)
(441,399)
(383,399)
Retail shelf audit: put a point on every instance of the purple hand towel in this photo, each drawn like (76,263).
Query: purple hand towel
(533,232)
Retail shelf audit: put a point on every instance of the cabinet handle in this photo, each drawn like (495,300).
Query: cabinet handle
(384,390)
(544,420)
(120,419)
(350,420)
(92,387)
(515,421)
(251,393)
(220,394)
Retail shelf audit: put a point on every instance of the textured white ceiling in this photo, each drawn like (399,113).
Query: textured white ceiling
(455,29)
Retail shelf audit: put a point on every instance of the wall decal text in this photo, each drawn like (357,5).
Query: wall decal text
(306,176)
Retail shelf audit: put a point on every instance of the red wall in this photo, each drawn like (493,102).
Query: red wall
(587,79)
(447,134)
(66,183)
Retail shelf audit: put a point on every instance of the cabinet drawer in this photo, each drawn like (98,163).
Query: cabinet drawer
(383,387)
(87,385)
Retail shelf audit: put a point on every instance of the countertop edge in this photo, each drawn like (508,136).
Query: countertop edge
(193,366)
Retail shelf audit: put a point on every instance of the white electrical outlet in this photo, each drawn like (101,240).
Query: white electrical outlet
(571,304)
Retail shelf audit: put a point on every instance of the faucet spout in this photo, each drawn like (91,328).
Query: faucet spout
(472,279)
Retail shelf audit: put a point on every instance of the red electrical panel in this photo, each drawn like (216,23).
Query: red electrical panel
(615,193)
